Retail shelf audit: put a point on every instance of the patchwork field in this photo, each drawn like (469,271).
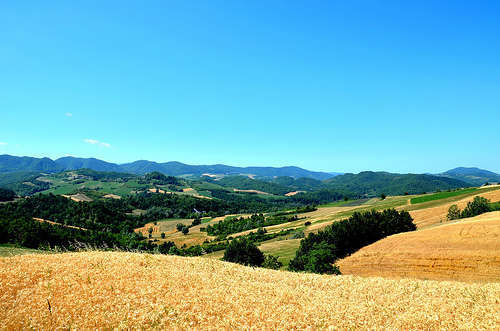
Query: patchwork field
(427,214)
(432,216)
(98,290)
(466,250)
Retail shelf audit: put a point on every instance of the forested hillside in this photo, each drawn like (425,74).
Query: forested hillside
(369,183)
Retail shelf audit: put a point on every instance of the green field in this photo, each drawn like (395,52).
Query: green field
(345,203)
(442,195)
(8,250)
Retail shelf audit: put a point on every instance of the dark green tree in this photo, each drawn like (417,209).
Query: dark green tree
(244,252)
(453,213)
(478,206)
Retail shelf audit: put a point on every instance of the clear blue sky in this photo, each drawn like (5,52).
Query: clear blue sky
(401,86)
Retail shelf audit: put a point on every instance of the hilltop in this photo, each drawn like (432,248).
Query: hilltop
(98,290)
(474,176)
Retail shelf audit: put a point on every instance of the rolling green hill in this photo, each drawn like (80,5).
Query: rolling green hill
(369,183)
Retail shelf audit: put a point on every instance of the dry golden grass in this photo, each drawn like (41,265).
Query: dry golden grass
(112,196)
(97,290)
(467,250)
(251,191)
(291,194)
(431,216)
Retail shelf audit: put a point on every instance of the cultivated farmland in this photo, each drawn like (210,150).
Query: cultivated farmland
(99,290)
(466,250)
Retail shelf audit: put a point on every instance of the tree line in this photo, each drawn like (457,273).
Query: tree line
(318,251)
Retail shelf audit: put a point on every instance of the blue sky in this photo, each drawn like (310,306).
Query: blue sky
(401,86)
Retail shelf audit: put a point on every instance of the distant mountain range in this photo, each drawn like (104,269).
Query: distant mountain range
(9,163)
(365,183)
(474,176)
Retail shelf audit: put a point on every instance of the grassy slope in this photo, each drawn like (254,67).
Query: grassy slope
(467,250)
(96,290)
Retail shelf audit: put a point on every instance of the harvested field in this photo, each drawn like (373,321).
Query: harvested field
(433,216)
(251,191)
(105,290)
(291,194)
(155,190)
(112,196)
(466,250)
(78,197)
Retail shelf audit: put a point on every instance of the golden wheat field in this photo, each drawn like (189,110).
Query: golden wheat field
(119,290)
(466,250)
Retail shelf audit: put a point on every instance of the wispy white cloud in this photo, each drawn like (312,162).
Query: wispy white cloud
(3,143)
(69,114)
(97,142)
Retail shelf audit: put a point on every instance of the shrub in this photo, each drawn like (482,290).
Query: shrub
(453,213)
(244,252)
(179,226)
(307,223)
(163,235)
(196,221)
(298,234)
(271,262)
(185,230)
(383,196)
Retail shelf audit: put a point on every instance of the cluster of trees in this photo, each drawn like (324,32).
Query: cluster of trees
(103,176)
(218,245)
(232,225)
(6,194)
(318,251)
(476,207)
(321,196)
(106,216)
(23,183)
(26,232)
(371,184)
(244,251)
(158,178)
